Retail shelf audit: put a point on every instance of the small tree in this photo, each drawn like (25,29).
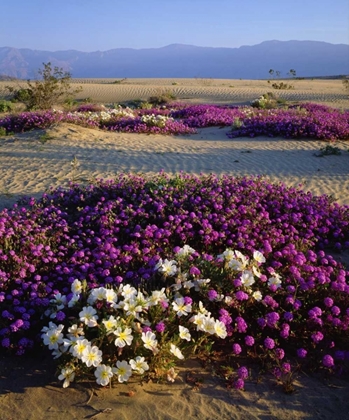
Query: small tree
(53,87)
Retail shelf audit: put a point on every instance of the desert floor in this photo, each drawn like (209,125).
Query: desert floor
(32,162)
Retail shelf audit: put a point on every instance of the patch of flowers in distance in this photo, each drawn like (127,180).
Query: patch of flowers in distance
(273,288)
(304,121)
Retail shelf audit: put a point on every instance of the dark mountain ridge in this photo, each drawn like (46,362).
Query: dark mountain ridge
(308,58)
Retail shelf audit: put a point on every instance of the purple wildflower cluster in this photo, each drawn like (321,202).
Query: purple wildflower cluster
(304,121)
(116,231)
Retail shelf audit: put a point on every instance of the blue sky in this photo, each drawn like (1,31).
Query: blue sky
(91,25)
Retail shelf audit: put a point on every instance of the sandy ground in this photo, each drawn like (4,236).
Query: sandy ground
(32,162)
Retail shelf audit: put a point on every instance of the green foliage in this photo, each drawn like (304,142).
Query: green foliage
(2,131)
(328,151)
(281,85)
(53,88)
(118,82)
(6,106)
(163,97)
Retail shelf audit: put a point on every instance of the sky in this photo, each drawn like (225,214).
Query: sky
(101,25)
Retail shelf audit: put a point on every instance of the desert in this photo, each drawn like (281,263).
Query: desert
(31,162)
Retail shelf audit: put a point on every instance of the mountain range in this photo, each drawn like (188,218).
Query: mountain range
(308,58)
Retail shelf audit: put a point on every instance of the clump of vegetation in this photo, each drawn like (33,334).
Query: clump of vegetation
(328,151)
(162,98)
(345,83)
(118,82)
(281,85)
(6,106)
(266,101)
(53,88)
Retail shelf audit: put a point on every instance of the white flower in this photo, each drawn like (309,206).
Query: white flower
(139,364)
(235,265)
(181,307)
(123,371)
(149,340)
(184,333)
(103,374)
(220,329)
(88,316)
(123,337)
(59,300)
(199,321)
(96,294)
(274,281)
(53,336)
(111,296)
(110,323)
(168,268)
(259,257)
(209,325)
(76,287)
(247,278)
(176,352)
(256,272)
(128,292)
(157,296)
(79,346)
(67,375)
(92,356)
(132,308)
(227,255)
(171,375)
(203,310)
(199,283)
(257,295)
(228,300)
(185,251)
(73,300)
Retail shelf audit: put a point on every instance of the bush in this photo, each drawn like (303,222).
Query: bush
(53,88)
(6,106)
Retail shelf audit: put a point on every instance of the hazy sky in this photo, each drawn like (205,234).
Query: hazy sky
(91,25)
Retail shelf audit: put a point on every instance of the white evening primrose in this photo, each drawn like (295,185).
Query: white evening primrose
(274,281)
(67,375)
(220,329)
(139,364)
(79,346)
(176,352)
(123,337)
(247,278)
(166,267)
(184,333)
(103,373)
(76,287)
(96,294)
(209,325)
(111,297)
(235,265)
(199,321)
(180,307)
(157,296)
(59,300)
(53,336)
(91,356)
(110,324)
(256,272)
(259,257)
(128,292)
(73,300)
(149,340)
(203,310)
(131,307)
(185,251)
(257,295)
(88,316)
(123,371)
(227,255)
(200,283)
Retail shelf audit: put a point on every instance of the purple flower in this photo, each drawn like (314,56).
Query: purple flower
(328,302)
(237,348)
(249,340)
(240,295)
(243,372)
(212,295)
(239,384)
(269,343)
(279,353)
(160,327)
(286,367)
(328,361)
(302,353)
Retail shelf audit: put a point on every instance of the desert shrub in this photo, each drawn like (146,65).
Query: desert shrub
(6,106)
(162,98)
(53,88)
(2,131)
(266,101)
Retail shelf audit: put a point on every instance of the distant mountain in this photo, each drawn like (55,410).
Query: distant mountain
(308,58)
